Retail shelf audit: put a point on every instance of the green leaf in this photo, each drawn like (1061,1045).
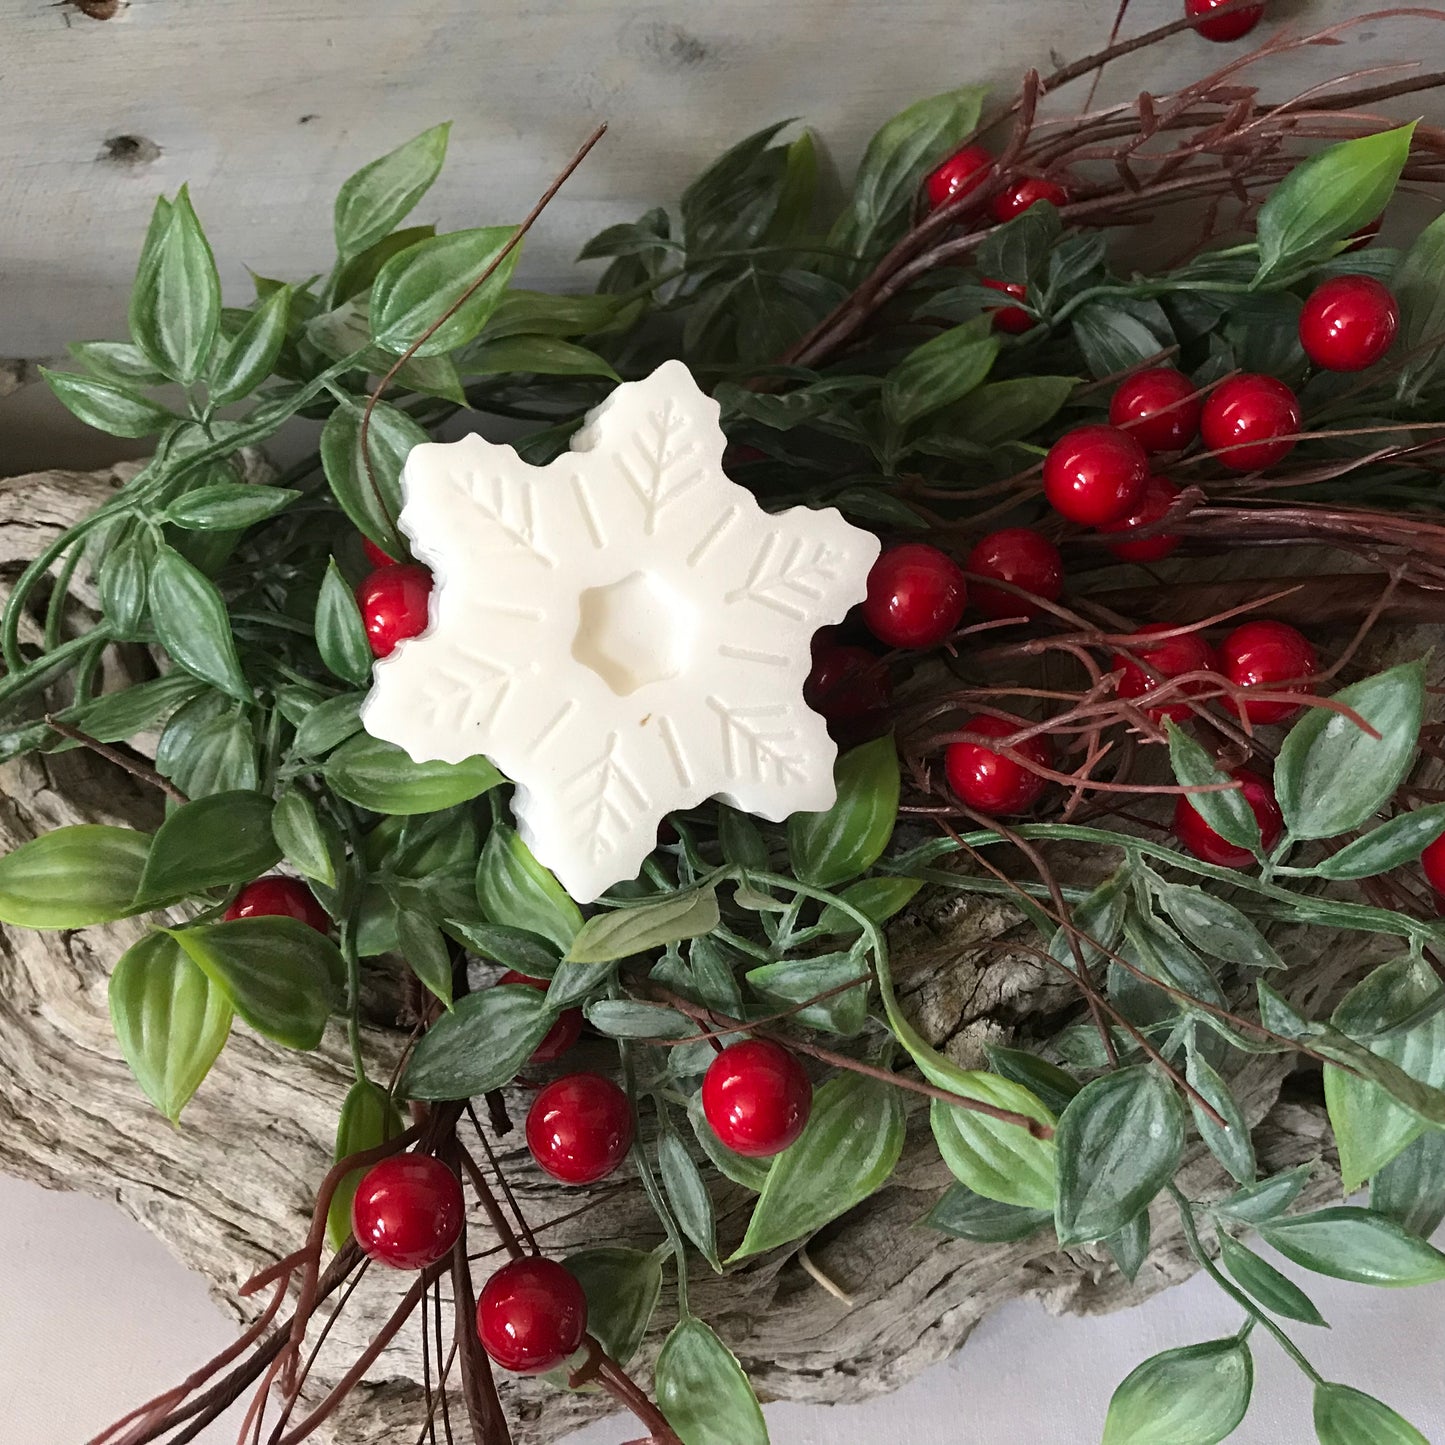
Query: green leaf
(1120,333)
(626,1018)
(1215,927)
(419,285)
(741,840)
(795,980)
(378,775)
(175,303)
(1120,1142)
(1191,1396)
(830,848)
(1099,918)
(1256,1203)
(703,1391)
(998,1160)
(118,362)
(750,1173)
(545,313)
(622,1288)
(219,757)
(540,355)
(1410,1189)
(1419,288)
(939,372)
(124,578)
(371,499)
(340,633)
(192,624)
(1357,1245)
(644,927)
(966,1215)
(425,951)
(250,356)
(1332,776)
(224,838)
(1008,410)
(687,1195)
(368,1118)
(170,1021)
(1344,1416)
(227,506)
(516,890)
(310,847)
(1328,196)
(876,898)
(853,1138)
(72,877)
(1400,840)
(329,724)
(479,1045)
(1053,1085)
(380,194)
(108,408)
(1232,1146)
(1130,1245)
(1227,811)
(1264,1283)
(515,948)
(897,159)
(116,716)
(279,973)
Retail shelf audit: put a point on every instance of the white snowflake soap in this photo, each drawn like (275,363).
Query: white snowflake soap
(623,632)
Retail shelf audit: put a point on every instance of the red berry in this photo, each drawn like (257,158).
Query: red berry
(1095,474)
(847,682)
(1433,862)
(1269,655)
(1250,415)
(1201,840)
(1173,657)
(990,781)
(1348,323)
(376,556)
(279,897)
(757,1097)
(1227,27)
(964,171)
(1154,504)
(1023,557)
(916,594)
(1015,199)
(532,1316)
(580,1128)
(562,1035)
(1158,408)
(394,603)
(1012,319)
(407,1211)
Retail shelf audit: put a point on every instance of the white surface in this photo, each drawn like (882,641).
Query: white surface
(95,1316)
(623,632)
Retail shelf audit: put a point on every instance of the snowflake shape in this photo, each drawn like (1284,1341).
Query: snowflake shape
(623,632)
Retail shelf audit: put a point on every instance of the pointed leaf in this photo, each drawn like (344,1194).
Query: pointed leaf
(830,848)
(378,775)
(1357,1245)
(703,1391)
(380,194)
(175,303)
(517,891)
(340,633)
(1344,1416)
(1192,1396)
(220,839)
(1263,1282)
(192,624)
(479,1045)
(72,877)
(645,927)
(251,354)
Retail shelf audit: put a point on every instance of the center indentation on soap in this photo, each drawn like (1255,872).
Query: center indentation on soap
(633,631)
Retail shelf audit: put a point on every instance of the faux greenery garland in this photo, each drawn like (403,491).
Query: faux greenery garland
(856,353)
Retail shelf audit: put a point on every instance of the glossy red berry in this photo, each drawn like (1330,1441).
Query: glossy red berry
(279,897)
(1158,496)
(1250,415)
(1268,654)
(532,1316)
(1432,860)
(562,1035)
(1095,474)
(1348,323)
(1173,657)
(1015,199)
(394,603)
(964,171)
(580,1128)
(992,782)
(376,556)
(1158,407)
(1200,839)
(757,1097)
(407,1211)
(1013,320)
(1020,556)
(846,683)
(916,595)
(1232,26)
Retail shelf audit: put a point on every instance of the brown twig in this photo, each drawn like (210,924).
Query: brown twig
(121,757)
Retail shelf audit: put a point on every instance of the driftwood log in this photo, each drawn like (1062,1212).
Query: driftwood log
(231,1190)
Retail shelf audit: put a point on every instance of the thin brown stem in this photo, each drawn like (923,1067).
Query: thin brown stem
(120,757)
